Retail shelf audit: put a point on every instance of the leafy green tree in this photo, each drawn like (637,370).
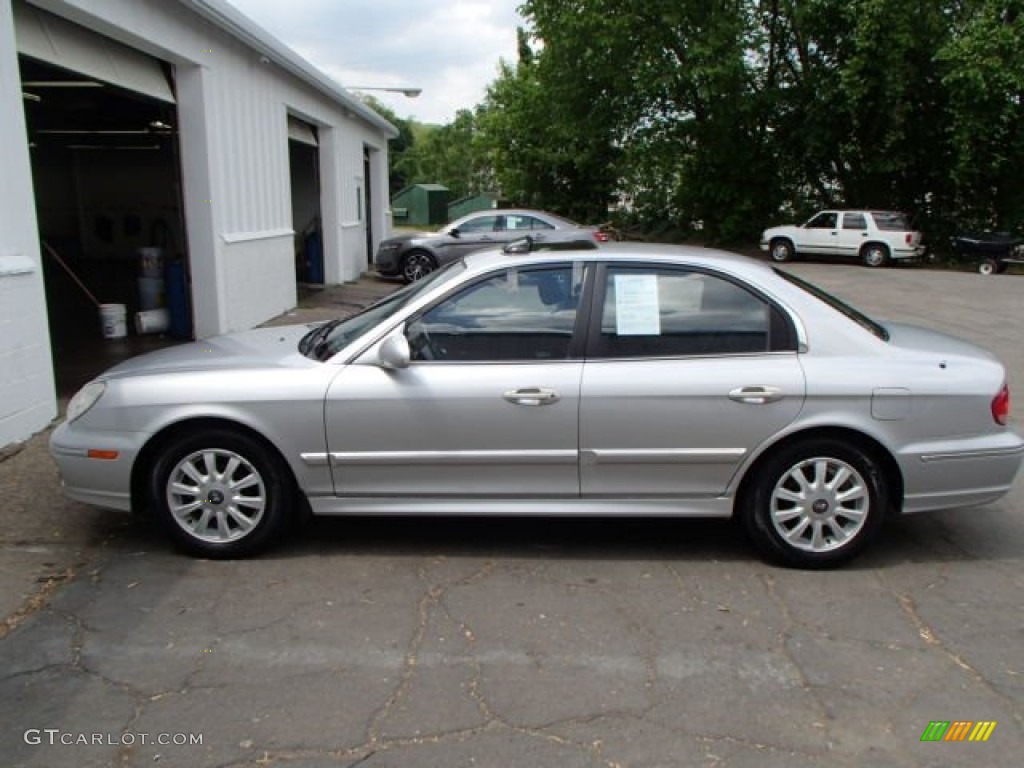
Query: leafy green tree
(452,155)
(724,116)
(398,148)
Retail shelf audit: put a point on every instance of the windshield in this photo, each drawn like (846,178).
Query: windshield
(327,339)
(840,306)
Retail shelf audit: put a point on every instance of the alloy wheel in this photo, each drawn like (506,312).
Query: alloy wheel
(819,504)
(216,495)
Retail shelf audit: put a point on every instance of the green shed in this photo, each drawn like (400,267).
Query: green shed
(420,205)
(471,204)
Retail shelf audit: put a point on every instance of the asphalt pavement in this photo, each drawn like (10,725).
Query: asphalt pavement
(562,643)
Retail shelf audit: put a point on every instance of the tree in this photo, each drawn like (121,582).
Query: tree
(399,147)
(725,116)
(452,155)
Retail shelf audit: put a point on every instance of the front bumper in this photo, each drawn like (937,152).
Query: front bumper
(99,482)
(387,261)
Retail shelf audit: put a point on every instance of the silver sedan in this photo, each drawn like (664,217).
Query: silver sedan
(631,380)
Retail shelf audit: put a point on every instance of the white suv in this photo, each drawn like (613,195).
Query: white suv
(875,237)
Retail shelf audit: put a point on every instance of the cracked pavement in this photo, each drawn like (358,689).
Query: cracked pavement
(563,643)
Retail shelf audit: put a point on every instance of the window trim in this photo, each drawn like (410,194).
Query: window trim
(593,348)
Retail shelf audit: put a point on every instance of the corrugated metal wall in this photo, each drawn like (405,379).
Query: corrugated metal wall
(239,215)
(232,110)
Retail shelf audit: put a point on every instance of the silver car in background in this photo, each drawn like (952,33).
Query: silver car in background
(413,256)
(628,380)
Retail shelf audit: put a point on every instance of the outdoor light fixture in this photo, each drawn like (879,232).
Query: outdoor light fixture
(410,93)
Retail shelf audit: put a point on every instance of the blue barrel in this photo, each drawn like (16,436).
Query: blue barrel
(314,258)
(180,325)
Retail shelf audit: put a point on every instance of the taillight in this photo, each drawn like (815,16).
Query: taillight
(910,238)
(601,236)
(1001,406)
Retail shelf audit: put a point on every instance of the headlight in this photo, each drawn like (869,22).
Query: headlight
(85,399)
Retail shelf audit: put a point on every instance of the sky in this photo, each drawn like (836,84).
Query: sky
(449,48)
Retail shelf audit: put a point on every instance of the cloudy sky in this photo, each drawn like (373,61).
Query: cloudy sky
(449,48)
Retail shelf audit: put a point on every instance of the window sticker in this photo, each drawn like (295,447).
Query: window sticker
(636,305)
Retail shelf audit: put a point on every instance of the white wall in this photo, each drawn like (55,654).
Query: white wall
(27,398)
(232,108)
(232,114)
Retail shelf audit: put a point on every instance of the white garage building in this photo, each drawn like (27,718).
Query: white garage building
(176,125)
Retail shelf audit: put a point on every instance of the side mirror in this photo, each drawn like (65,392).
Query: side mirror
(394,354)
(454,232)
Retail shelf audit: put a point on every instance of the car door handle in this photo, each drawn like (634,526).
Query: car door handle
(756,395)
(531,396)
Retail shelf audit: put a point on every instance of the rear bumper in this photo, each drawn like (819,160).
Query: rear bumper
(960,473)
(910,254)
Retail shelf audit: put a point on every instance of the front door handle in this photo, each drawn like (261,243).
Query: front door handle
(756,395)
(531,396)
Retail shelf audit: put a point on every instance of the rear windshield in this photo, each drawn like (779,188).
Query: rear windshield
(840,306)
(891,222)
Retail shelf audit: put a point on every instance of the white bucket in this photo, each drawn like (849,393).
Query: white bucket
(112,318)
(152,321)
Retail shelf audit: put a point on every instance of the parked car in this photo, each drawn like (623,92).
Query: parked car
(413,256)
(623,380)
(875,237)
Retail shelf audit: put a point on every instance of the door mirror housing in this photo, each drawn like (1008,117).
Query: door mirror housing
(454,232)
(394,354)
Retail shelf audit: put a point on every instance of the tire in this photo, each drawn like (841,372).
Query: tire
(874,255)
(781,250)
(220,494)
(416,265)
(987,267)
(844,492)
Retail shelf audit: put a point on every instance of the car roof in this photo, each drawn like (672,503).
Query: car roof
(517,212)
(690,255)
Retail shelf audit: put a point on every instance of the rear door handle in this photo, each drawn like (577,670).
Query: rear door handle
(531,396)
(756,395)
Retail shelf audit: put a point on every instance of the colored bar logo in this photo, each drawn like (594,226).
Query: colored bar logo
(958,730)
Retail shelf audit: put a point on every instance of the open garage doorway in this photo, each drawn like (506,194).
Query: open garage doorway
(106,176)
(304,167)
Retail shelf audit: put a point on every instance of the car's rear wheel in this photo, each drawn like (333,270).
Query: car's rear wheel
(815,504)
(220,493)
(781,250)
(416,265)
(987,267)
(874,255)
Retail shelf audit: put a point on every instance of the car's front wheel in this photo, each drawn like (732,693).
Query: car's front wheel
(416,265)
(781,250)
(815,504)
(220,493)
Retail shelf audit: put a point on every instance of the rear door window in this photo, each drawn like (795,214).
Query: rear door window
(671,312)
